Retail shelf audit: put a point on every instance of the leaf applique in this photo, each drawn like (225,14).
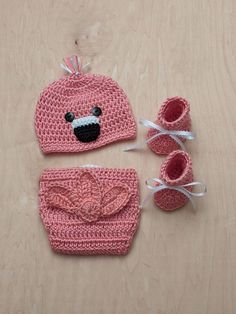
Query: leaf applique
(63,198)
(115,199)
(90,197)
(87,199)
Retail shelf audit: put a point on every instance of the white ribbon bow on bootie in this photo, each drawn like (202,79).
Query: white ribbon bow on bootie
(150,183)
(161,131)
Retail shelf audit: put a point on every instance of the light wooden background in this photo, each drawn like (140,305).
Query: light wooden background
(183,262)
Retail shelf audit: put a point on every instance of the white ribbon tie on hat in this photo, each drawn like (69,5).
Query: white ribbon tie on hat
(74,66)
(151,184)
(161,131)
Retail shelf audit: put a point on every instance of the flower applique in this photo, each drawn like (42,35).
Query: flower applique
(89,199)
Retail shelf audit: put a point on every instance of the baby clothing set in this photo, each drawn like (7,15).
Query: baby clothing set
(92,210)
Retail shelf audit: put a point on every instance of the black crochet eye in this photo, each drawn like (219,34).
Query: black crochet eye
(96,111)
(69,116)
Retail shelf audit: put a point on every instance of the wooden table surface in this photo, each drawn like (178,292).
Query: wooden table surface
(183,262)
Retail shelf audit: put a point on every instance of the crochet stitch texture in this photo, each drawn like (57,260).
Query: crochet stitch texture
(90,211)
(175,170)
(79,94)
(173,115)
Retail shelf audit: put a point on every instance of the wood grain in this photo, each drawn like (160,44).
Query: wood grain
(180,263)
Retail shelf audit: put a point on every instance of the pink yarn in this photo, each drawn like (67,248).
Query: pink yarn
(90,211)
(173,115)
(79,93)
(175,170)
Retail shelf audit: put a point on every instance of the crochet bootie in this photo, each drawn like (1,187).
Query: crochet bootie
(176,170)
(173,116)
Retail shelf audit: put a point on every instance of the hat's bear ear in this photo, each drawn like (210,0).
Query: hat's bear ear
(69,116)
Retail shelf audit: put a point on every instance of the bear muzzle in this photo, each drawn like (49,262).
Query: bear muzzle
(86,129)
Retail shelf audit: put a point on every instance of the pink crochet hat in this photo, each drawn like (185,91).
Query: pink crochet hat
(172,116)
(81,112)
(90,211)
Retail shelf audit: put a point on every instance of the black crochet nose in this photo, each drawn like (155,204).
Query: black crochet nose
(87,133)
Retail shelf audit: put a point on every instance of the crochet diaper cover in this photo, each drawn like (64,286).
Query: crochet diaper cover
(90,211)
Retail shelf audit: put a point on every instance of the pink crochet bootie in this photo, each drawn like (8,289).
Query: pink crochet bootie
(173,116)
(173,189)
(176,170)
(91,210)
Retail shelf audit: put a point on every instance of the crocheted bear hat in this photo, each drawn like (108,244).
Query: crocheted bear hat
(81,112)
(90,210)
